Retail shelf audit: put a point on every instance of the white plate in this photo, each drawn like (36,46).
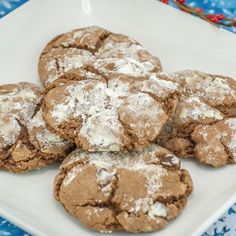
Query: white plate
(180,40)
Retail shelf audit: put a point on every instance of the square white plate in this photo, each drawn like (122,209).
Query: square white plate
(179,40)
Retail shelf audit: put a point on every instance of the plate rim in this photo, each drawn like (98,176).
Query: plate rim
(22,224)
(16,11)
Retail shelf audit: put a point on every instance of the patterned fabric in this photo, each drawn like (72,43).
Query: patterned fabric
(226,7)
(8,229)
(6,6)
(226,225)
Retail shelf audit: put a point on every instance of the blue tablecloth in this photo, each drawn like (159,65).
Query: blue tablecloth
(226,7)
(226,225)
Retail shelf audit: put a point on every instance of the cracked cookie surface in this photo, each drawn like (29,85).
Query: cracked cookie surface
(207,103)
(121,47)
(100,189)
(109,113)
(25,141)
(216,143)
(83,46)
(60,60)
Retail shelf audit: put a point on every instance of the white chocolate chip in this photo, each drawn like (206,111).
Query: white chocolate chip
(104,176)
(157,209)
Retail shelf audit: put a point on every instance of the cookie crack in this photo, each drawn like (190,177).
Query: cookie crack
(230,158)
(37,155)
(93,70)
(164,104)
(114,223)
(131,137)
(101,39)
(58,68)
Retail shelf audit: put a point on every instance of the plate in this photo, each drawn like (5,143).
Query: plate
(179,40)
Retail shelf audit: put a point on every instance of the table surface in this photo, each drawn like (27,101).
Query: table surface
(224,226)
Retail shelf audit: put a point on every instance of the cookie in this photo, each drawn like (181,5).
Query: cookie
(25,141)
(83,46)
(114,113)
(129,67)
(207,101)
(68,51)
(60,60)
(89,38)
(100,189)
(215,144)
(122,47)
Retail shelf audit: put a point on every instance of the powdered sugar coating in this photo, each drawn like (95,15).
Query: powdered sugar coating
(9,131)
(85,97)
(108,165)
(103,130)
(68,51)
(221,87)
(206,99)
(141,205)
(213,89)
(216,143)
(117,45)
(106,188)
(105,109)
(159,84)
(17,105)
(119,50)
(25,141)
(42,138)
(60,60)
(136,160)
(19,100)
(126,66)
(232,143)
(206,96)
(86,38)
(72,175)
(141,112)
(89,44)
(122,47)
(75,61)
(193,109)
(154,183)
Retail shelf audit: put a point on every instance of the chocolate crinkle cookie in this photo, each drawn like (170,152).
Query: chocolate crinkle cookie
(25,141)
(102,110)
(135,192)
(83,46)
(204,123)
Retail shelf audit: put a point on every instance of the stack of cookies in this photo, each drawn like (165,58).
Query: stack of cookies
(118,123)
